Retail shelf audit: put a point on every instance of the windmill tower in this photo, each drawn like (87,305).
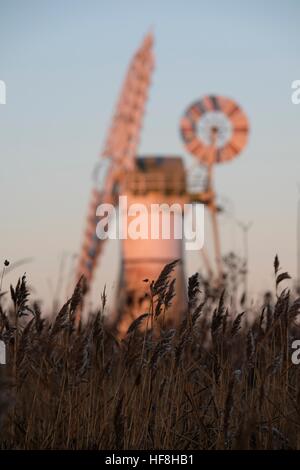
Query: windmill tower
(157,179)
(154,181)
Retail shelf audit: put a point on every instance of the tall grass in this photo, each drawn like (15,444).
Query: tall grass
(216,382)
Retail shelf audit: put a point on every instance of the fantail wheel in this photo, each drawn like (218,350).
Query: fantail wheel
(214,129)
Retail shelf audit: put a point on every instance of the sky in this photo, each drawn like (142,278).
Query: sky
(63,63)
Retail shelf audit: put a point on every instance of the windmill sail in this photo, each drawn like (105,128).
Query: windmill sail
(120,148)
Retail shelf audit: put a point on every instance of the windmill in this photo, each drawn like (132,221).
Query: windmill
(155,179)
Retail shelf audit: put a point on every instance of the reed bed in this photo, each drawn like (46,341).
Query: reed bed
(218,381)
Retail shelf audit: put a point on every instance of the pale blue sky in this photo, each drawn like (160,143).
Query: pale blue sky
(63,63)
